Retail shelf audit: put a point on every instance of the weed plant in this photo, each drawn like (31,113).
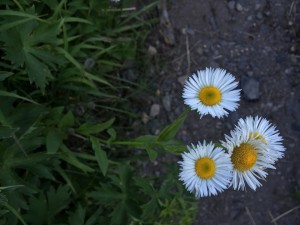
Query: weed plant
(63,103)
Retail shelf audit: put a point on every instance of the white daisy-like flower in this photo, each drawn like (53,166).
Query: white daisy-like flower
(211,91)
(205,169)
(249,157)
(261,129)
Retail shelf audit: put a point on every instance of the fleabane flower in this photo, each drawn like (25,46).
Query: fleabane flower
(205,169)
(249,157)
(211,91)
(261,129)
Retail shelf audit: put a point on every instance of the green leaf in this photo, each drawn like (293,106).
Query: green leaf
(13,95)
(113,135)
(173,146)
(15,212)
(4,75)
(67,120)
(37,71)
(119,215)
(57,200)
(150,208)
(7,132)
(69,157)
(171,130)
(106,194)
(77,217)
(66,178)
(151,153)
(87,129)
(53,140)
(100,154)
(37,207)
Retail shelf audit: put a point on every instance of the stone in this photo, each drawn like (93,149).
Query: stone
(145,118)
(250,87)
(89,63)
(239,7)
(152,50)
(155,109)
(167,103)
(231,5)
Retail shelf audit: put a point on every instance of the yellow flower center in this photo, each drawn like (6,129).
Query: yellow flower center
(258,136)
(244,157)
(205,168)
(210,95)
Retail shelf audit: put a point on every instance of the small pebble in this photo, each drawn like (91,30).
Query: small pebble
(250,87)
(231,5)
(155,109)
(239,7)
(167,103)
(152,50)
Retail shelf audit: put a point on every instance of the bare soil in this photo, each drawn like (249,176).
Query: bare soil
(258,42)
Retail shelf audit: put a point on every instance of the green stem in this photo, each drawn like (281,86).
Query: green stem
(10,208)
(19,5)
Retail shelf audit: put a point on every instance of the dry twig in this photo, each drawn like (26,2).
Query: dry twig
(249,214)
(285,213)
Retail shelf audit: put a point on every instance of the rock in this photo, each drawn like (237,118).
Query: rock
(145,118)
(259,15)
(199,51)
(239,7)
(89,63)
(267,13)
(154,126)
(167,103)
(250,88)
(231,5)
(130,75)
(155,109)
(152,50)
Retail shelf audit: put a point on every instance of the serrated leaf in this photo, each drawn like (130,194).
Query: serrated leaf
(37,207)
(37,71)
(77,217)
(53,140)
(150,208)
(57,200)
(100,154)
(171,130)
(87,129)
(106,194)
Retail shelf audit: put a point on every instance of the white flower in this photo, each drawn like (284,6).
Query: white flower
(205,169)
(249,157)
(262,129)
(211,91)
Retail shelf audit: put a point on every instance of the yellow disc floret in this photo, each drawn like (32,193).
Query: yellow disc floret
(210,95)
(205,168)
(244,157)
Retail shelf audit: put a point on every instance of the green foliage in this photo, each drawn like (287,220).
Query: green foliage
(63,102)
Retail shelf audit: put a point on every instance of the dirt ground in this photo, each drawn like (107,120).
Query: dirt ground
(257,41)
